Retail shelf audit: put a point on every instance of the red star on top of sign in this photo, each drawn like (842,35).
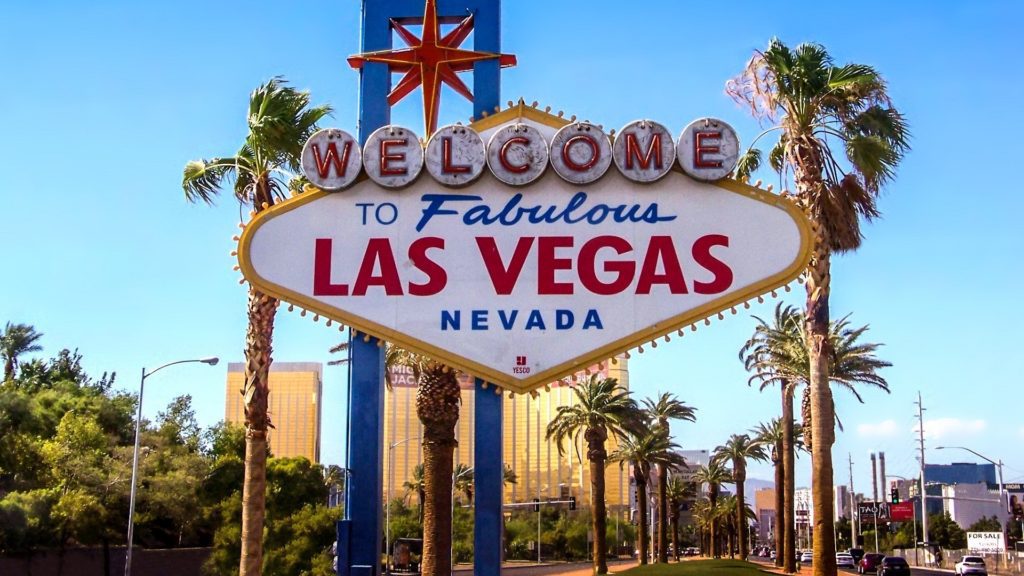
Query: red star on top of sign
(430,61)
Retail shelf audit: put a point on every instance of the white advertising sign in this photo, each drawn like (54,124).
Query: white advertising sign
(986,542)
(521,286)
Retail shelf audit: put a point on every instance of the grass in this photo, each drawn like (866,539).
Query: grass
(699,568)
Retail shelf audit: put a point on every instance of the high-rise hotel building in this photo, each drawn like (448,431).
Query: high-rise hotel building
(296,389)
(541,471)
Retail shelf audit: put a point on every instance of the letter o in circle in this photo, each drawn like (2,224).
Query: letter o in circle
(580,153)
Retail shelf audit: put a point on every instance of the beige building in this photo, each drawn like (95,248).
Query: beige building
(294,406)
(542,472)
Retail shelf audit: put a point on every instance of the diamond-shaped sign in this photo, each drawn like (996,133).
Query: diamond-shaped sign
(523,285)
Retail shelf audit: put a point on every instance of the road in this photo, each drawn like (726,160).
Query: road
(562,569)
(914,570)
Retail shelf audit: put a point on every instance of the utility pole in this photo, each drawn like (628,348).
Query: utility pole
(923,490)
(853,508)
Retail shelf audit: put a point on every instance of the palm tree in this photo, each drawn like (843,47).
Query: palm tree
(702,517)
(739,449)
(463,478)
(819,107)
(602,410)
(280,121)
(770,434)
(735,519)
(679,491)
(666,408)
(17,340)
(644,448)
(714,474)
(415,484)
(774,353)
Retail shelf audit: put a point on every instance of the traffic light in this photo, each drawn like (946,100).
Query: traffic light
(536,504)
(895,493)
(572,502)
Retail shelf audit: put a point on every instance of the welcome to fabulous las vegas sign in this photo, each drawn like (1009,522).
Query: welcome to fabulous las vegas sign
(525,247)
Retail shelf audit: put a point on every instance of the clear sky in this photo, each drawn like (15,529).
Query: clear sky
(102,103)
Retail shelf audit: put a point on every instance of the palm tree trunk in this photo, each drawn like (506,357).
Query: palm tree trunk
(437,406)
(788,523)
(662,514)
(713,536)
(258,349)
(780,505)
(741,517)
(675,535)
(597,456)
(641,505)
(822,417)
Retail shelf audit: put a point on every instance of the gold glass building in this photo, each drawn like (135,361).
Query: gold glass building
(541,471)
(294,405)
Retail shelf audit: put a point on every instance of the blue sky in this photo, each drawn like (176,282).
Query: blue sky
(102,103)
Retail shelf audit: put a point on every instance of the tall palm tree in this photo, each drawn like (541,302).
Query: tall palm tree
(666,408)
(820,108)
(735,519)
(280,121)
(415,484)
(773,353)
(679,492)
(770,434)
(739,449)
(642,448)
(702,517)
(17,340)
(603,409)
(714,474)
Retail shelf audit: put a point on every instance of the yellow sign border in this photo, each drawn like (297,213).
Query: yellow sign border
(570,366)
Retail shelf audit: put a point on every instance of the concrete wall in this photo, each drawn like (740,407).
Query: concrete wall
(90,562)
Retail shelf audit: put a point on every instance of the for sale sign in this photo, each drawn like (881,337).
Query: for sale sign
(986,542)
(526,248)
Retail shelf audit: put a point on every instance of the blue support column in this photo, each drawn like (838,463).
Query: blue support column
(487,457)
(488,470)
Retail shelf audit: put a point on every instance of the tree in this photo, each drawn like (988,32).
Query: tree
(679,492)
(773,353)
(463,478)
(819,107)
(666,408)
(642,448)
(738,450)
(986,524)
(771,434)
(602,409)
(279,121)
(714,474)
(17,340)
(946,533)
(415,484)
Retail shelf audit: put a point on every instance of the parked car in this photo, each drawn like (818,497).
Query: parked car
(869,563)
(807,557)
(893,566)
(974,565)
(844,560)
(772,555)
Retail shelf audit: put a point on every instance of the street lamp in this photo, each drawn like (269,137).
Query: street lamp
(1002,499)
(212,361)
(387,505)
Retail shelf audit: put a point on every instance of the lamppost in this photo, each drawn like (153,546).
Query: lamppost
(915,511)
(387,505)
(1002,500)
(212,361)
(455,478)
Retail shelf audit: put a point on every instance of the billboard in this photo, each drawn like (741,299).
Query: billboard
(986,542)
(901,512)
(867,511)
(525,248)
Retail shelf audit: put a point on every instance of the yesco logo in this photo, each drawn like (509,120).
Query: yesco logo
(523,247)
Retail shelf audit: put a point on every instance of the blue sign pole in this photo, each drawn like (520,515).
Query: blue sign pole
(360,534)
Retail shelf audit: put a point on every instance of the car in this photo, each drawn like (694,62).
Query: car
(807,557)
(893,566)
(857,554)
(869,563)
(772,555)
(974,565)
(845,560)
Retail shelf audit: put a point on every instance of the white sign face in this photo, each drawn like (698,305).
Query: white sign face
(986,542)
(523,286)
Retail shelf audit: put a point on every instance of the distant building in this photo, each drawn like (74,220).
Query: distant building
(296,389)
(959,473)
(542,471)
(968,503)
(764,510)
